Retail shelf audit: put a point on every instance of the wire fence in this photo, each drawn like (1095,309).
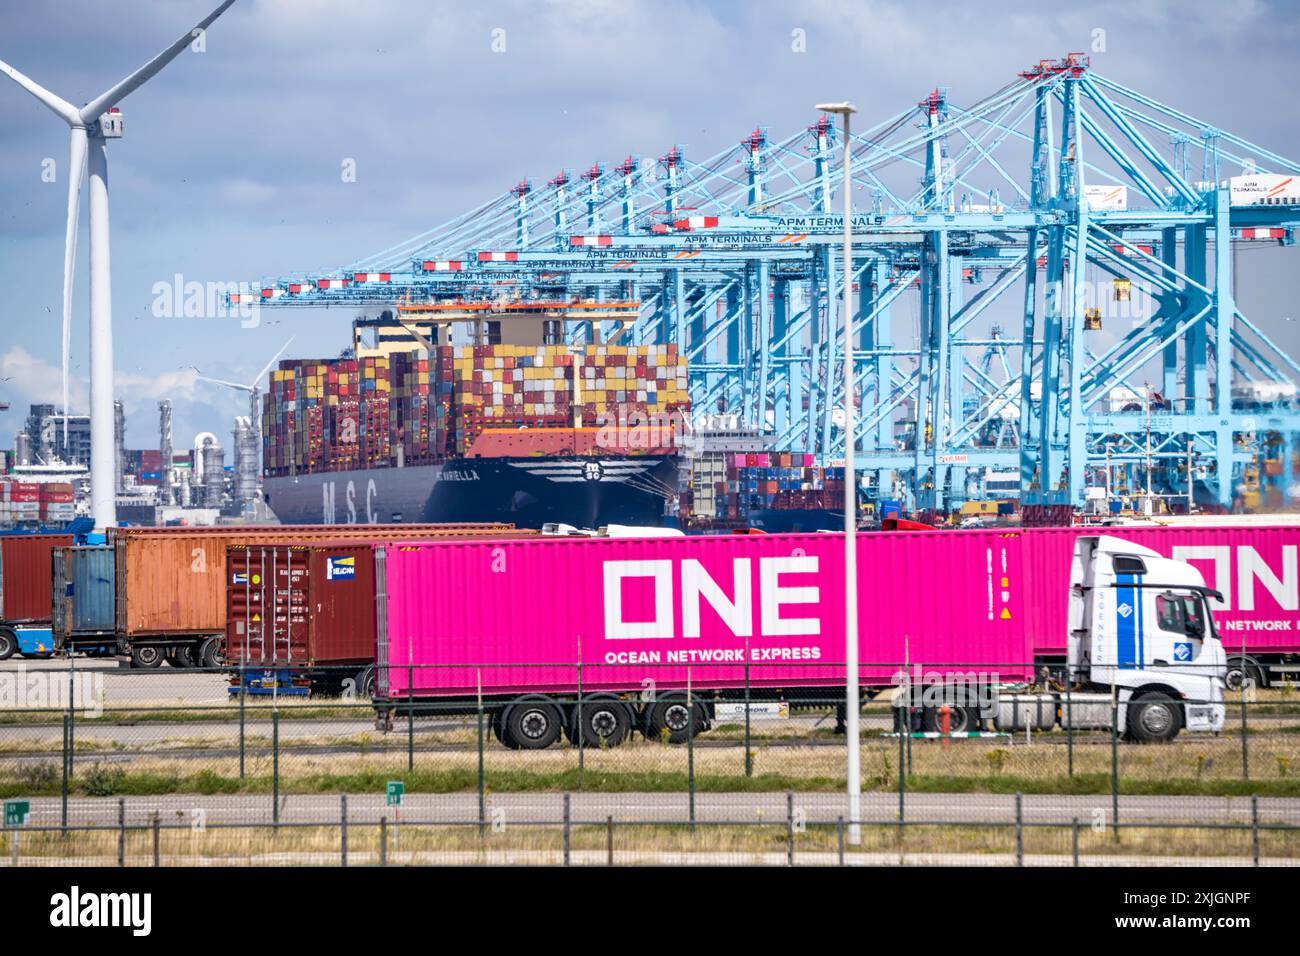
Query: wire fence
(182,766)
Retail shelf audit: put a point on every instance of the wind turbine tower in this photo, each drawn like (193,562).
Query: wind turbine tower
(92,126)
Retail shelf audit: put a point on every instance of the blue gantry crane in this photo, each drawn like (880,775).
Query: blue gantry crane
(1097,220)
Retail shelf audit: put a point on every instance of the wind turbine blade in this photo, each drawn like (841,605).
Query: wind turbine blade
(61,107)
(76,170)
(114,95)
(220,381)
(268,365)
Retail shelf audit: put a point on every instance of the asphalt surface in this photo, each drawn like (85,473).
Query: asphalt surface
(595,808)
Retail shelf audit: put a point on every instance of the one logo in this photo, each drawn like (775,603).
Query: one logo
(592,471)
(1124,610)
(1182,650)
(239,578)
(338,569)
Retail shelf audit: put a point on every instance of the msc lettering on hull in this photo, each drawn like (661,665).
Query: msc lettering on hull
(689,579)
(329,512)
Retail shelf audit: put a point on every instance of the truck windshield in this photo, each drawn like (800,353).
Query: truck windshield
(1181,613)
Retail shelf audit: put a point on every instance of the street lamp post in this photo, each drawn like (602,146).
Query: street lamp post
(852,703)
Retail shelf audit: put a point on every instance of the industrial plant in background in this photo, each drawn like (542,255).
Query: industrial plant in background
(46,477)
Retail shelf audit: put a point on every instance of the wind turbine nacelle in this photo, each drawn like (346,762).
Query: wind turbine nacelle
(109,125)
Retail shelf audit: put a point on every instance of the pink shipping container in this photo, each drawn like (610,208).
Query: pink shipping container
(1256,568)
(512,617)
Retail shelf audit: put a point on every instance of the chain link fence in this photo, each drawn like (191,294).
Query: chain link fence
(184,767)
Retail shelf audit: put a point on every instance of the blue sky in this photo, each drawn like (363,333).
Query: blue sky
(230,167)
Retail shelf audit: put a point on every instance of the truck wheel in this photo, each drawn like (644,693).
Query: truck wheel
(1154,717)
(531,724)
(365,683)
(961,719)
(146,656)
(1240,670)
(8,643)
(606,722)
(669,719)
(210,656)
(181,657)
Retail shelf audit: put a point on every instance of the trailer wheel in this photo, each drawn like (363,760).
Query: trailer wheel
(606,722)
(499,730)
(365,682)
(669,719)
(1154,717)
(961,719)
(181,657)
(531,724)
(8,643)
(1242,669)
(146,656)
(210,656)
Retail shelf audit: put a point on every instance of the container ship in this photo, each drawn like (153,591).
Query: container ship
(408,427)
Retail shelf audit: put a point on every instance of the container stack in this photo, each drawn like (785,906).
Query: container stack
(768,480)
(421,407)
(58,503)
(20,503)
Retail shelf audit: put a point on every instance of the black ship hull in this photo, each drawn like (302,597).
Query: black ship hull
(526,492)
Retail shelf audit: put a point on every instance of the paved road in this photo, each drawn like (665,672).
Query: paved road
(594,808)
(124,687)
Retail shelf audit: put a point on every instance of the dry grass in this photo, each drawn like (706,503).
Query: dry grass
(677,843)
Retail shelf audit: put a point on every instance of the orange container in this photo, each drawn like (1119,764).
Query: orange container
(172,581)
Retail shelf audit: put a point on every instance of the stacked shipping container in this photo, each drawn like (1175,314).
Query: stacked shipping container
(420,406)
(28,504)
(764,480)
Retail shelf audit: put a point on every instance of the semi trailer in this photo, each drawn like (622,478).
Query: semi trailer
(598,638)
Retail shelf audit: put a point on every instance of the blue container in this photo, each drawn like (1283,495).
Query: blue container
(84,591)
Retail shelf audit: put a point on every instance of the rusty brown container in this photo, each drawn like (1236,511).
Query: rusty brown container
(297,606)
(171,582)
(25,576)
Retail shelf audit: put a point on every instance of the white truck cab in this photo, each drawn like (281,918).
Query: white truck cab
(1141,624)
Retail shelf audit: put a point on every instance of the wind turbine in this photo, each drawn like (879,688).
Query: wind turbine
(91,127)
(254,392)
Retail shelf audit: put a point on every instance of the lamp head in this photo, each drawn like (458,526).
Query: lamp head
(843,109)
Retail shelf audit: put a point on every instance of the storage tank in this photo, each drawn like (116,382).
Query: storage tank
(209,470)
(246,471)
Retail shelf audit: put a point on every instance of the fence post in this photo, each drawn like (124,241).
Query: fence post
(749,753)
(582,749)
(1074,840)
(567,825)
(1069,725)
(904,726)
(1245,735)
(121,831)
(275,767)
(410,718)
(383,841)
(1254,826)
(482,777)
(789,828)
(690,747)
(1114,760)
(839,835)
(72,716)
(157,839)
(243,695)
(67,768)
(1020,832)
(609,840)
(343,828)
